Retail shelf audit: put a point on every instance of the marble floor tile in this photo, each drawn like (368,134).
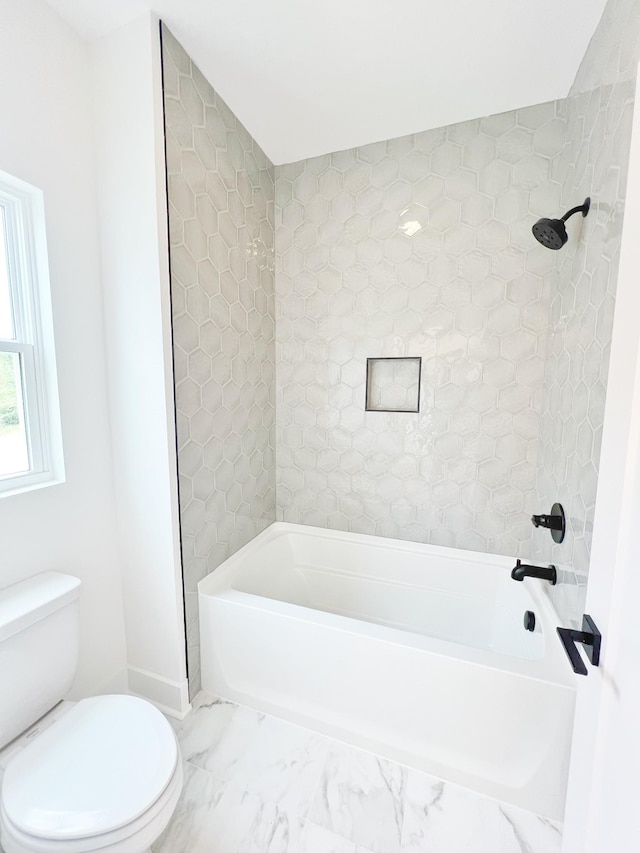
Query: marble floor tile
(201,730)
(443,818)
(316,839)
(523,831)
(361,798)
(189,827)
(278,761)
(219,817)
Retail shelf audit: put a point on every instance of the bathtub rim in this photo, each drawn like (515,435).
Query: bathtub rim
(552,667)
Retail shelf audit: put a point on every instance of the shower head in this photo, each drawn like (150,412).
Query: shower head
(551,232)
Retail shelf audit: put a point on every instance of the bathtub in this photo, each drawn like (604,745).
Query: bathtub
(415,652)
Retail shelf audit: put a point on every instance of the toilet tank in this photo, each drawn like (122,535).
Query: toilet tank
(39,644)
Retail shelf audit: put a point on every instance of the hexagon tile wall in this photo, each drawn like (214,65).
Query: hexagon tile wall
(593,162)
(419,246)
(221,256)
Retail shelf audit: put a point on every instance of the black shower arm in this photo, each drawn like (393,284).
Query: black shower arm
(582,208)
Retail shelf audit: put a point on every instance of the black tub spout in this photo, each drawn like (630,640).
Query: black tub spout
(546,573)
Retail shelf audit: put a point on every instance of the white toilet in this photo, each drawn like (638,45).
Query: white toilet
(106,774)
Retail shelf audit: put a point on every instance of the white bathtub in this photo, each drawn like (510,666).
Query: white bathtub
(415,652)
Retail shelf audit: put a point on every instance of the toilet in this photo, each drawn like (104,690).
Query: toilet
(104,773)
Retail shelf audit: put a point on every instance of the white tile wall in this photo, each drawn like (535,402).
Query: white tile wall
(593,163)
(419,246)
(221,255)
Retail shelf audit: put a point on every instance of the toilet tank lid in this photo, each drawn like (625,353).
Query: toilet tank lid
(31,600)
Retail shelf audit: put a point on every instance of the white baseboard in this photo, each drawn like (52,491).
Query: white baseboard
(171,697)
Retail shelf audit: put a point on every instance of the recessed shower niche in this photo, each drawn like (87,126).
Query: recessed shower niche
(393,384)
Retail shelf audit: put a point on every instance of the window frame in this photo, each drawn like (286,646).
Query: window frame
(28,277)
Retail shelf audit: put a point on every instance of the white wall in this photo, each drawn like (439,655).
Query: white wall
(133,213)
(46,140)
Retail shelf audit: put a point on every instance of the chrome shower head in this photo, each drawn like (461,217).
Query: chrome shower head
(552,232)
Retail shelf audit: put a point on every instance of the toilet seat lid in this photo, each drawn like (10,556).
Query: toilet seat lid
(98,768)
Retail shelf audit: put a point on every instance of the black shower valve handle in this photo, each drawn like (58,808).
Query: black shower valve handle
(551,522)
(554,521)
(591,639)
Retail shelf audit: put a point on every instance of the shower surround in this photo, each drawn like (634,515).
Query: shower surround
(420,246)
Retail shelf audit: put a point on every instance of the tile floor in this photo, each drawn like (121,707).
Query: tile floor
(256,784)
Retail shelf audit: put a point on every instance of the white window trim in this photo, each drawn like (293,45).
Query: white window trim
(31,298)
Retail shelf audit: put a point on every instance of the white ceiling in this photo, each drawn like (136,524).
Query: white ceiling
(309,78)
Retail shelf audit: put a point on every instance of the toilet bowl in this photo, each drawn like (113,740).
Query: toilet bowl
(106,776)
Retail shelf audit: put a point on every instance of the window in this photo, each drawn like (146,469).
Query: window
(30,443)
